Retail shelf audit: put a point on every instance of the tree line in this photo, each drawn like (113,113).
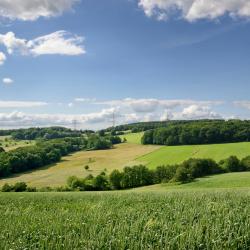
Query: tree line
(202,132)
(144,126)
(46,152)
(140,175)
(43,133)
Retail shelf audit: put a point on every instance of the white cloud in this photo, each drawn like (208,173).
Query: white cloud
(194,112)
(70,105)
(80,99)
(7,80)
(60,42)
(243,104)
(151,105)
(12,43)
(29,10)
(192,10)
(21,104)
(2,58)
(20,119)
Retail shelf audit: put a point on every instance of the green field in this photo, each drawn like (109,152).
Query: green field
(222,181)
(8,143)
(177,154)
(133,137)
(119,220)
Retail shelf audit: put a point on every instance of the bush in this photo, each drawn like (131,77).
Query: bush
(183,175)
(7,188)
(245,163)
(164,173)
(20,187)
(115,178)
(232,164)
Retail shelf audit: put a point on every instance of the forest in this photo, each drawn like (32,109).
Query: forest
(202,132)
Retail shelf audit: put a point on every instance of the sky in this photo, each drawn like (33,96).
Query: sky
(137,60)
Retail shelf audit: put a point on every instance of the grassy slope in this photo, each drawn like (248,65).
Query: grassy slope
(177,154)
(222,181)
(119,220)
(133,137)
(9,144)
(57,174)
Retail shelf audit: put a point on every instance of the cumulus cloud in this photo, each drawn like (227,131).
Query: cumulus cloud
(60,42)
(2,58)
(30,10)
(192,10)
(196,112)
(7,81)
(21,119)
(243,104)
(21,104)
(151,105)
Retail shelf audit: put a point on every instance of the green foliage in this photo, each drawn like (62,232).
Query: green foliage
(232,164)
(199,132)
(115,178)
(17,187)
(245,162)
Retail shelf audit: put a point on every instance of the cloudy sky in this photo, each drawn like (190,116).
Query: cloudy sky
(139,60)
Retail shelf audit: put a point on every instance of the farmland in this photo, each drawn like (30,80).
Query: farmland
(57,174)
(126,154)
(172,220)
(177,154)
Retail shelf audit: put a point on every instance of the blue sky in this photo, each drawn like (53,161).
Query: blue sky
(142,60)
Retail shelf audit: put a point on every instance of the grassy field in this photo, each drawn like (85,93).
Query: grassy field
(215,182)
(177,154)
(57,174)
(133,137)
(9,144)
(172,220)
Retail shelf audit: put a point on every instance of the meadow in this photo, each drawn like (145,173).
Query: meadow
(8,143)
(56,174)
(125,154)
(177,154)
(119,220)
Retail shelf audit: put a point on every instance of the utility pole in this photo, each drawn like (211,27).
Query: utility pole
(113,119)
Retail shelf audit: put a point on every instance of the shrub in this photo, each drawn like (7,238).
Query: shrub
(115,178)
(164,173)
(7,188)
(183,175)
(232,164)
(246,163)
(20,187)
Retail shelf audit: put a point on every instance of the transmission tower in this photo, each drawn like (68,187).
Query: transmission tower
(74,123)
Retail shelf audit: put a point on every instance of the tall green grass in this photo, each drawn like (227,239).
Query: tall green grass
(125,220)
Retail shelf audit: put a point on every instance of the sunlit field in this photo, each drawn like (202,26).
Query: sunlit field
(119,220)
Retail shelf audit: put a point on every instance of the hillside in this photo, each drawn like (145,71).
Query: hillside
(177,154)
(222,181)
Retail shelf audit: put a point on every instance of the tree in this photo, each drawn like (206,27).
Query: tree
(115,178)
(245,162)
(20,187)
(232,164)
(100,182)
